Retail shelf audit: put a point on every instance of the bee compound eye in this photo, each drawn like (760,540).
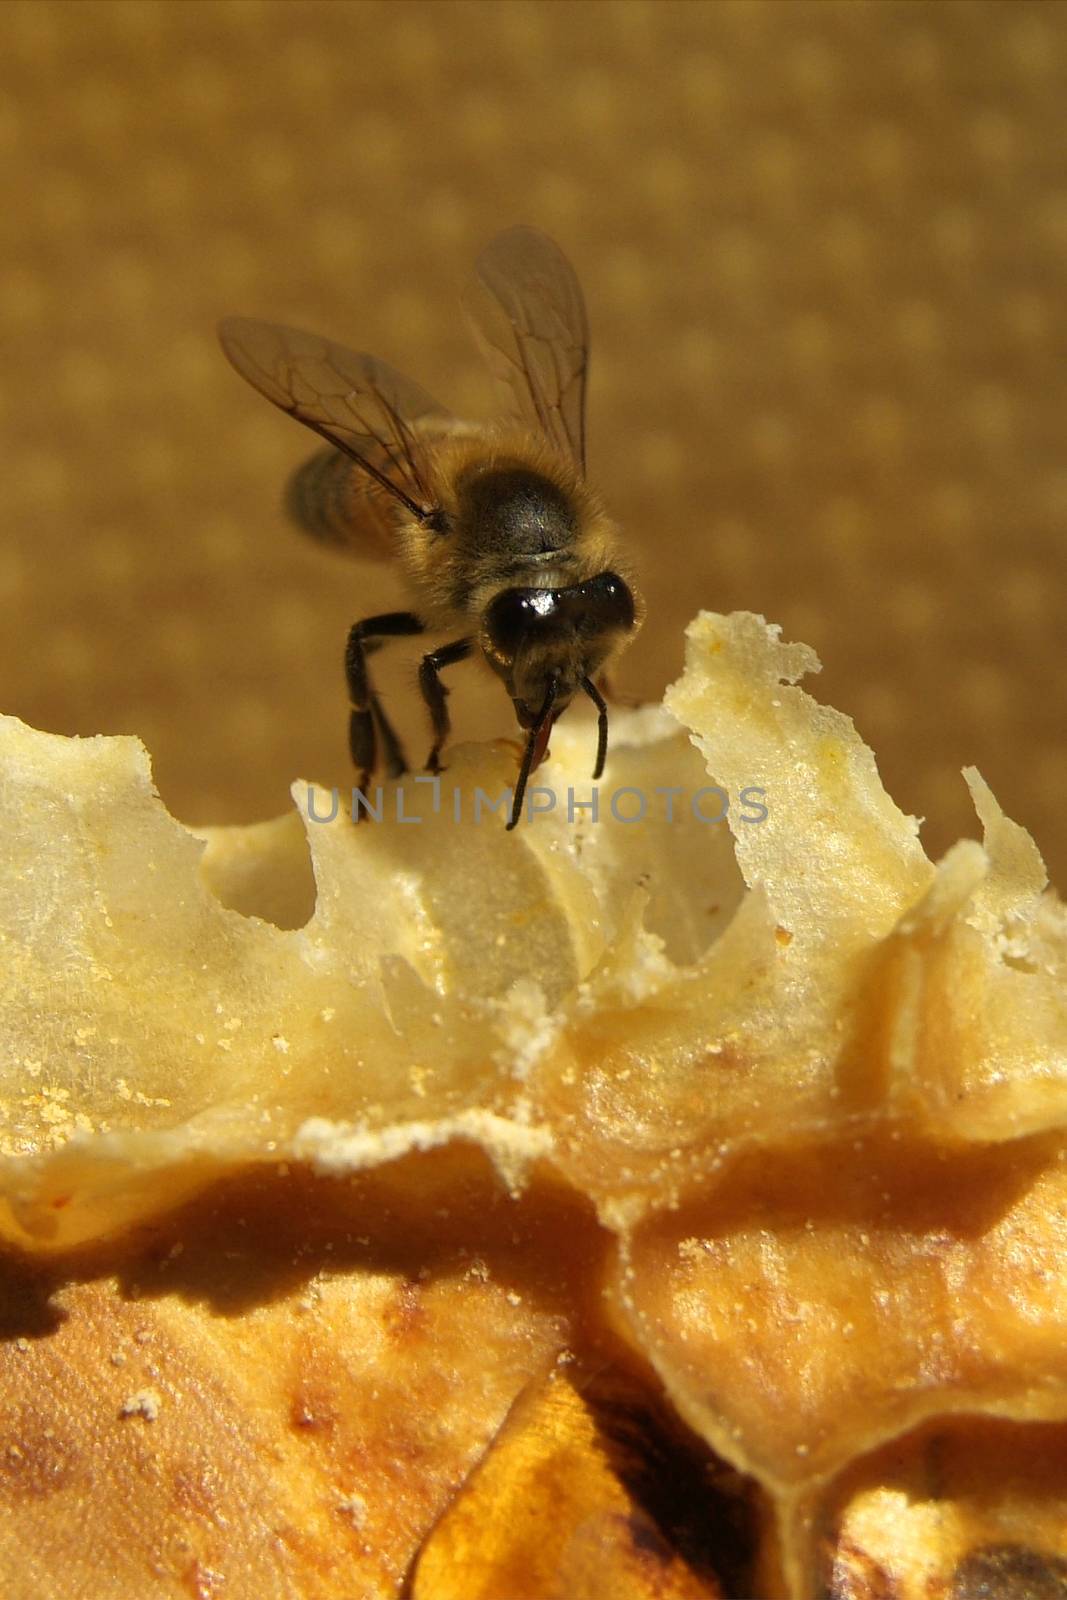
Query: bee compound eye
(516,614)
(505,621)
(608,601)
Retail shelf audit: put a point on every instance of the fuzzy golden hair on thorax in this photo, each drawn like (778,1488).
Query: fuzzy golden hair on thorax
(432,561)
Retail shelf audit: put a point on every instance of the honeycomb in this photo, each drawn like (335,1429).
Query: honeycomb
(669,1194)
(654,1207)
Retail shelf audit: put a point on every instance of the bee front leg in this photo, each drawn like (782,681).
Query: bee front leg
(366,718)
(435,694)
(602,725)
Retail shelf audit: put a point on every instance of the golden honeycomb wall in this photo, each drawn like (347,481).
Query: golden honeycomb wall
(823,246)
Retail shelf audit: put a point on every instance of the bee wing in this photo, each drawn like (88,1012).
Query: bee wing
(528,314)
(361,405)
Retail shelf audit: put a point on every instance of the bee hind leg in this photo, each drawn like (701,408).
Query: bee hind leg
(366,719)
(435,694)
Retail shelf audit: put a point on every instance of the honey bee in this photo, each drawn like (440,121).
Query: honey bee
(501,539)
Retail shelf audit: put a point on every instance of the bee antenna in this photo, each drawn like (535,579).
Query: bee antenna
(528,754)
(602,725)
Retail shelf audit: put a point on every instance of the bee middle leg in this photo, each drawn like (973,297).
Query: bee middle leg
(435,694)
(366,718)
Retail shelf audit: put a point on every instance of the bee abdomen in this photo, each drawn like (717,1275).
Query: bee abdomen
(318,497)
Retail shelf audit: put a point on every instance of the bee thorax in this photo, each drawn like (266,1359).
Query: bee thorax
(517,510)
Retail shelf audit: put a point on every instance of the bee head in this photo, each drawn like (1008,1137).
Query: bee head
(542,640)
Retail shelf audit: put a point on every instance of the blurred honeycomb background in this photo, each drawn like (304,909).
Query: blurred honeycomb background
(823,246)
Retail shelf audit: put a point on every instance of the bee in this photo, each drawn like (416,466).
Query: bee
(502,541)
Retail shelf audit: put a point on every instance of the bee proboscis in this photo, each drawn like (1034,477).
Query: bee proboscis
(501,539)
